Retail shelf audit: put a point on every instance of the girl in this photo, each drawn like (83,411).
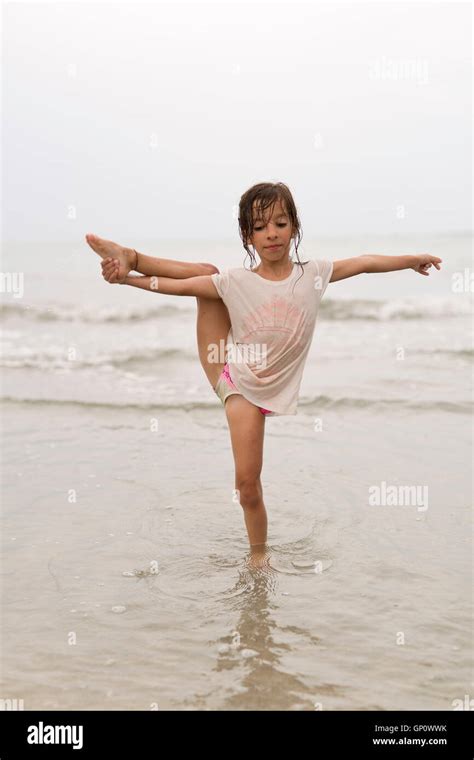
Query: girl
(265,315)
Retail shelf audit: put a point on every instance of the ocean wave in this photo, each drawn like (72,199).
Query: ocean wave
(359,308)
(332,309)
(54,358)
(94,314)
(379,404)
(26,358)
(306,406)
(463,353)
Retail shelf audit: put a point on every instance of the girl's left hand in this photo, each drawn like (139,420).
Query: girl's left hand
(110,270)
(424,261)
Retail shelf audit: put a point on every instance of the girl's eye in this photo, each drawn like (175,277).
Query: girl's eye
(281,224)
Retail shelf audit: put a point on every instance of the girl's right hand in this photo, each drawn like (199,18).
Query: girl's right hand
(424,261)
(110,268)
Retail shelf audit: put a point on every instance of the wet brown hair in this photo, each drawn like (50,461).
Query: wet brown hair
(263,196)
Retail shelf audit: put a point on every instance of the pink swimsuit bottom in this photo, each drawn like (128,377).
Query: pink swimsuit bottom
(225,388)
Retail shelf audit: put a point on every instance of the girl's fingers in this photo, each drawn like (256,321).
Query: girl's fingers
(108,274)
(109,262)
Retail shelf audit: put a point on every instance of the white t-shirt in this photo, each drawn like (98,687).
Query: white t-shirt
(272,329)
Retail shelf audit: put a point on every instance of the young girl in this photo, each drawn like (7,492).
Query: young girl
(265,316)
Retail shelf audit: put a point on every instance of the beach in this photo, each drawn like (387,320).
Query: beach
(125,585)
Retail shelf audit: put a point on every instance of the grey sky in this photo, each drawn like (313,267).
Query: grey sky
(151,120)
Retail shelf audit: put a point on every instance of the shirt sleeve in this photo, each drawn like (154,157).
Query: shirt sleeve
(323,273)
(221,281)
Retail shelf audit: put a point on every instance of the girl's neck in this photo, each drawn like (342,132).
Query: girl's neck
(277,270)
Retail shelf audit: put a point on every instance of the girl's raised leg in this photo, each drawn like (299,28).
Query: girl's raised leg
(213,321)
(246,422)
(212,327)
(131,260)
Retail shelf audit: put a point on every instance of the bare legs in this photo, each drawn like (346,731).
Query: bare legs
(246,422)
(131,260)
(213,321)
(247,428)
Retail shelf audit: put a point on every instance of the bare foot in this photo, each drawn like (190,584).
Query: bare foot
(259,557)
(107,249)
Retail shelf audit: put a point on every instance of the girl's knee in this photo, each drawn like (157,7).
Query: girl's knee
(209,268)
(250,491)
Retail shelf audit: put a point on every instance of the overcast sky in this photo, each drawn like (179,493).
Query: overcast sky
(151,120)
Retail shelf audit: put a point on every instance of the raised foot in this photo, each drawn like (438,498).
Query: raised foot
(107,249)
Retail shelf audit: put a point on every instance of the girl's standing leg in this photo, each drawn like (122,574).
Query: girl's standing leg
(247,428)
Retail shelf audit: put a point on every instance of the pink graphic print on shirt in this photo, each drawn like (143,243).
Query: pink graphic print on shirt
(280,328)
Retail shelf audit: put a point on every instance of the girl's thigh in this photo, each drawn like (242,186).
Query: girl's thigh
(247,429)
(213,325)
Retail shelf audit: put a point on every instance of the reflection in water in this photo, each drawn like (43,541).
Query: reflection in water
(256,646)
(254,666)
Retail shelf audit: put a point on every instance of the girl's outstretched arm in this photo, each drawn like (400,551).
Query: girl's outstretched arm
(369,263)
(201,286)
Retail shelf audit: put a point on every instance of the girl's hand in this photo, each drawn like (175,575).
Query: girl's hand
(110,269)
(424,261)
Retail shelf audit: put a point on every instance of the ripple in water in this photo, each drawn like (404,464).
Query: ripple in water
(202,579)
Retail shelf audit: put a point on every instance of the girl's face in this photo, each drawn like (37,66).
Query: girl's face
(271,237)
